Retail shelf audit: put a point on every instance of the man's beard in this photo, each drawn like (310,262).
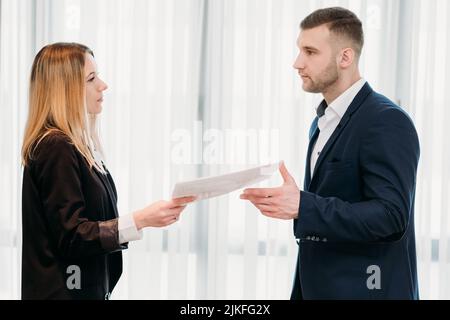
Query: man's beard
(326,79)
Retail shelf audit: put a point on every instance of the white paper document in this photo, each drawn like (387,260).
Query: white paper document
(210,187)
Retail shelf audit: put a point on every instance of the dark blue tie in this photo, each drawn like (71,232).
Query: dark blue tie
(321,108)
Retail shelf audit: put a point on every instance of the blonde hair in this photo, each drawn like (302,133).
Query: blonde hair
(57,101)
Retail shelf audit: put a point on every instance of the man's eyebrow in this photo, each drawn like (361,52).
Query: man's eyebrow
(309,48)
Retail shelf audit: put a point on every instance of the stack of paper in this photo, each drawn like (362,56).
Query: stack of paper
(210,187)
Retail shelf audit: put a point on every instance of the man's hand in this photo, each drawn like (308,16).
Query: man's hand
(279,203)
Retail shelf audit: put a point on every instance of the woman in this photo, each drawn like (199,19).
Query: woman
(72,235)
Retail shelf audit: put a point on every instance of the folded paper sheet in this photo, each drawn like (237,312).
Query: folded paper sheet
(211,187)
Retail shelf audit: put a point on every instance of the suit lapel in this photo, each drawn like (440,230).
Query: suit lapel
(354,106)
(104,179)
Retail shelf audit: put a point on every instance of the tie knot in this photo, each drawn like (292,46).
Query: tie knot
(321,108)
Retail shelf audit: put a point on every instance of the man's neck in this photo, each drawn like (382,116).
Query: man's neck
(338,88)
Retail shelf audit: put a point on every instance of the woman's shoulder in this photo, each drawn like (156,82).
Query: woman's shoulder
(53,144)
(54,139)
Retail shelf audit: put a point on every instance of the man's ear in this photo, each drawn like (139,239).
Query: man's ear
(346,58)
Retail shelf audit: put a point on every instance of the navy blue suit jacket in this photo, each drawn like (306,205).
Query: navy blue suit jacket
(357,211)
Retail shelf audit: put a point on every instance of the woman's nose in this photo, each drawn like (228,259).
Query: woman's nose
(103,86)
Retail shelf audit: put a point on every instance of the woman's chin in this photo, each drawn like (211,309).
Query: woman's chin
(95,111)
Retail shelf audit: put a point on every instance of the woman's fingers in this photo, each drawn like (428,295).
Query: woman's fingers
(175,211)
(183,201)
(169,212)
(172,215)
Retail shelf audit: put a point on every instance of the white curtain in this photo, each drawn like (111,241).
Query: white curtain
(424,89)
(200,87)
(16,52)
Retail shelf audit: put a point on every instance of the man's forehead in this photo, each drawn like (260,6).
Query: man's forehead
(317,36)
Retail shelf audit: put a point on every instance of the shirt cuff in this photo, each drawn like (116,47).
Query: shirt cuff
(127,229)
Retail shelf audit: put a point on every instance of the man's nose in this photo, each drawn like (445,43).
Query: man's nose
(299,62)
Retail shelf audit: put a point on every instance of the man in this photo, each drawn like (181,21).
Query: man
(354,221)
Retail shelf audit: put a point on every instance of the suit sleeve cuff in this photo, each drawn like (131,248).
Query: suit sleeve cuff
(305,208)
(109,235)
(128,230)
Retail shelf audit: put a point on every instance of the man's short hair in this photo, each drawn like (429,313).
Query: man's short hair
(339,21)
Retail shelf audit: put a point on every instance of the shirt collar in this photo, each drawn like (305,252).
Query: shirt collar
(341,103)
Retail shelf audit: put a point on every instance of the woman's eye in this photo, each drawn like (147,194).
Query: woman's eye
(91,79)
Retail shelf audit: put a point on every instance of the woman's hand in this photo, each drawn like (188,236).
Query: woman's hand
(161,213)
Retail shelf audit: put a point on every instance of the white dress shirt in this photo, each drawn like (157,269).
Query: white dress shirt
(330,120)
(128,230)
(126,224)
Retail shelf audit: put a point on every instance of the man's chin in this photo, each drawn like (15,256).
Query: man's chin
(310,89)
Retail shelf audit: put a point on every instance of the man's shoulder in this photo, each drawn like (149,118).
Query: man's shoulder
(380,103)
(378,107)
